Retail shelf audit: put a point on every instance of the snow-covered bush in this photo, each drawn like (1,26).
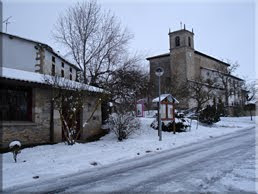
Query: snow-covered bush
(15,147)
(123,124)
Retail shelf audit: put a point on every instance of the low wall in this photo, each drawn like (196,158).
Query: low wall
(26,132)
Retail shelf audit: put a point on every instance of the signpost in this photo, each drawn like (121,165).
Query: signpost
(159,72)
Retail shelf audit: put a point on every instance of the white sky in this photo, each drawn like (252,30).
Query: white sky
(224,29)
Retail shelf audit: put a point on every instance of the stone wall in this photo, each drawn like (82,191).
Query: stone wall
(36,131)
(93,126)
(201,61)
(26,132)
(163,62)
(178,64)
(57,133)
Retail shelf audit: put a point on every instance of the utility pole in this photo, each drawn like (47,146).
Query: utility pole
(6,21)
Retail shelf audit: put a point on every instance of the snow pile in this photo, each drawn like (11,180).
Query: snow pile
(51,161)
(150,113)
(14,143)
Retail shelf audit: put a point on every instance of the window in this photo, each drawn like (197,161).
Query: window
(71,77)
(53,71)
(231,91)
(62,64)
(62,73)
(71,69)
(189,41)
(76,76)
(177,41)
(89,106)
(53,59)
(15,104)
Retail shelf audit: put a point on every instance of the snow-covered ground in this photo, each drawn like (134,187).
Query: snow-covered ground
(43,162)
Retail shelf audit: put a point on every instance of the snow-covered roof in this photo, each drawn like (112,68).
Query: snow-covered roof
(254,101)
(33,77)
(163,96)
(142,100)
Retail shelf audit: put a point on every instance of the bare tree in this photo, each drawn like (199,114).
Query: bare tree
(94,38)
(201,91)
(224,74)
(251,89)
(127,84)
(68,98)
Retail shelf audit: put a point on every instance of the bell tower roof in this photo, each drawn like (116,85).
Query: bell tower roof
(181,31)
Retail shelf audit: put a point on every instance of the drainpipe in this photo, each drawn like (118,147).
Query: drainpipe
(51,136)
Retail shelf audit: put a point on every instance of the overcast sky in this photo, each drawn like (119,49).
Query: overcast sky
(224,29)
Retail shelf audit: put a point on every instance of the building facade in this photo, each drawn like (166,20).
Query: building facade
(26,107)
(185,64)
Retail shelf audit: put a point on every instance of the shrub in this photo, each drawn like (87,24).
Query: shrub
(123,124)
(209,115)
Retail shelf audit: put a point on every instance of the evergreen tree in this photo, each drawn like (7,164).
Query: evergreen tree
(209,115)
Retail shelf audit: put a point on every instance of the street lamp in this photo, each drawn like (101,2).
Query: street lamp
(159,72)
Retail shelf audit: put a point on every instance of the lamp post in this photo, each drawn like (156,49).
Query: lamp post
(159,72)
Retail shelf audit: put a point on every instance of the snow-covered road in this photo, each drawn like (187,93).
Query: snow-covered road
(225,163)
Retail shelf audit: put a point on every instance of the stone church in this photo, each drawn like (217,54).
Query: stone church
(185,63)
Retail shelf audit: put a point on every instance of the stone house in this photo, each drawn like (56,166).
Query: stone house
(26,109)
(186,64)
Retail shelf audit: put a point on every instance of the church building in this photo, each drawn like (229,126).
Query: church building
(185,64)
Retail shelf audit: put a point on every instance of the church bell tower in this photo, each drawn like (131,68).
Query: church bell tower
(182,54)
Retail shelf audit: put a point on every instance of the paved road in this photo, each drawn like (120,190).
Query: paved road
(193,168)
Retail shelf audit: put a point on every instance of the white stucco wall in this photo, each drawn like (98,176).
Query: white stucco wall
(234,85)
(58,66)
(21,54)
(18,54)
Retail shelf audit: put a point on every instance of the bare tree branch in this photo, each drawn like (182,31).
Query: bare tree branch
(94,37)
(224,74)
(201,91)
